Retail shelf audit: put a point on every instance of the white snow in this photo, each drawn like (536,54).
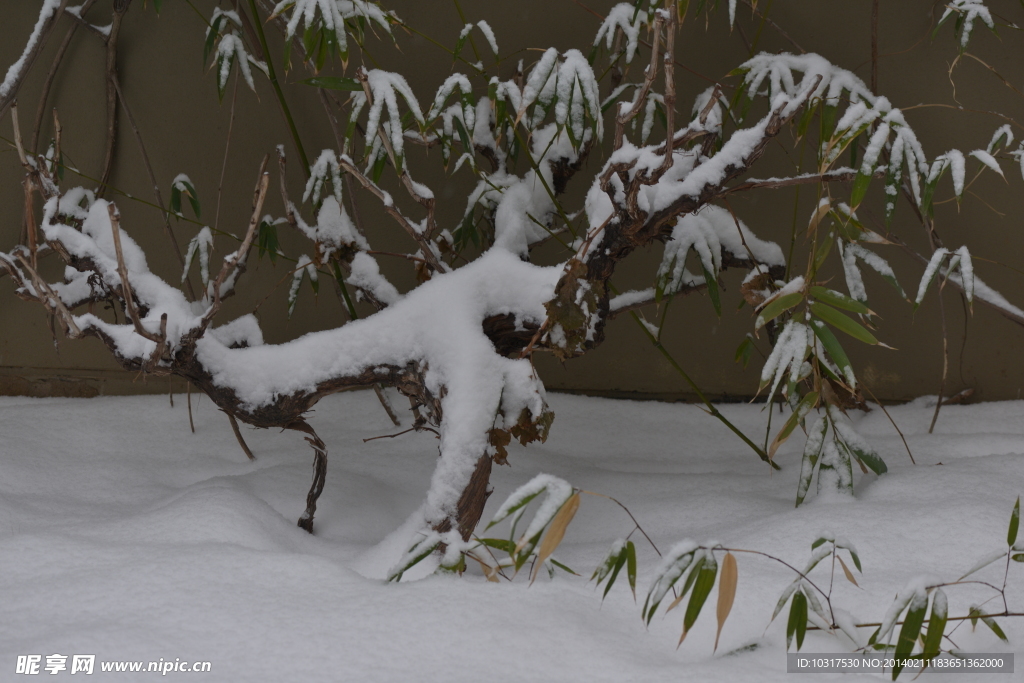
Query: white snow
(45,12)
(125,536)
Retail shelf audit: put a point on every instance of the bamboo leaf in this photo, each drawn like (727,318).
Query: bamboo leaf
(712,284)
(812,452)
(619,561)
(690,578)
(842,322)
(847,572)
(726,591)
(334,83)
(502,544)
(834,349)
(701,589)
(631,567)
(991,623)
(936,625)
(797,616)
(784,597)
(909,632)
(805,406)
(860,188)
(839,300)
(556,532)
(1011,536)
(777,307)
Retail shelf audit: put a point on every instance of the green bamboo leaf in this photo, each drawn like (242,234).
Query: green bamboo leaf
(777,307)
(562,566)
(211,36)
(1019,557)
(619,562)
(860,188)
(502,544)
(812,452)
(1011,537)
(821,540)
(839,300)
(518,506)
(805,120)
(631,567)
(991,623)
(842,322)
(422,550)
(833,348)
(828,120)
(175,199)
(334,83)
(701,589)
(807,403)
(712,284)
(797,617)
(936,625)
(463,135)
(823,250)
(784,598)
(909,633)
(744,351)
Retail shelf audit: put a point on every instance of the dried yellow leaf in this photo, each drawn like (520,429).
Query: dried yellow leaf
(556,531)
(846,570)
(726,591)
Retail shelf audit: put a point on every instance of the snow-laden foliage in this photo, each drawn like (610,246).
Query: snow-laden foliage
(460,343)
(628,19)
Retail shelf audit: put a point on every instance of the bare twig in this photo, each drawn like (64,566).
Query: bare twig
(120,7)
(227,147)
(624,117)
(122,270)
(48,83)
(156,186)
(945,359)
(389,207)
(894,425)
(80,20)
(874,46)
(236,261)
(238,435)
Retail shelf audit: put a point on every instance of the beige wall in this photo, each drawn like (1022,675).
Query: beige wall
(175,102)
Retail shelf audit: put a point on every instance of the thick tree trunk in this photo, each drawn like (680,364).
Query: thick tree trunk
(471,503)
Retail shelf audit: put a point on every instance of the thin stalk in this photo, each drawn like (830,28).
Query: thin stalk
(272,74)
(711,409)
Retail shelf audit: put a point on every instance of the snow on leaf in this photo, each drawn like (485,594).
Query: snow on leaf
(626,18)
(957,167)
(485,28)
(1003,137)
(201,243)
(969,10)
(709,233)
(966,272)
(229,50)
(386,86)
(304,267)
(326,167)
(790,350)
(988,160)
(930,271)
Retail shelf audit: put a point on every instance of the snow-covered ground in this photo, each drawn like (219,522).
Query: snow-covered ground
(125,536)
